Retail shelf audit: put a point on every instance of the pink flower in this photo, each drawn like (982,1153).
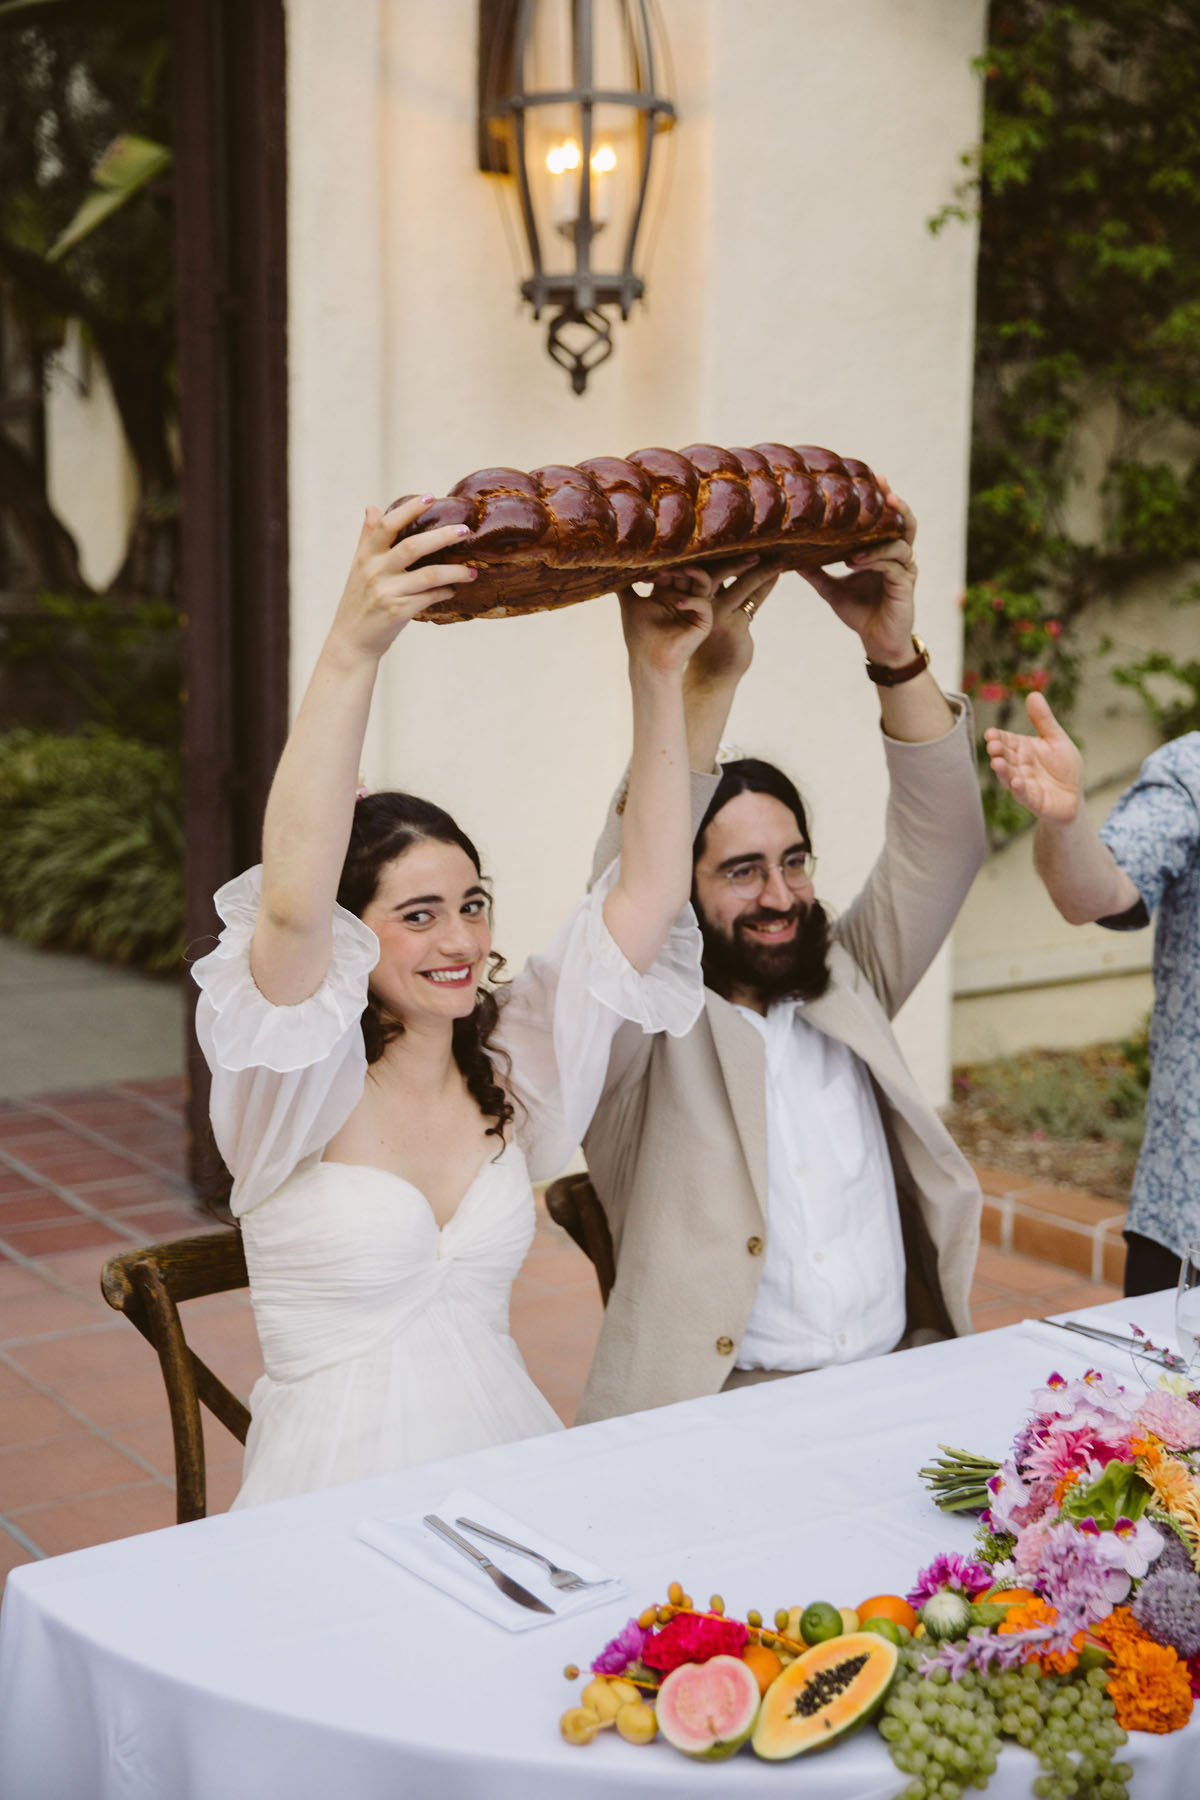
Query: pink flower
(693,1637)
(1173,1420)
(993,690)
(1076,1575)
(1031,1542)
(1015,1503)
(622,1650)
(951,1571)
(1054,628)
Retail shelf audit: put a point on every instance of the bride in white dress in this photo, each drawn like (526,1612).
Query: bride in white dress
(382,1112)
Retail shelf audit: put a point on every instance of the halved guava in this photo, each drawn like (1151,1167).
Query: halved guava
(708,1709)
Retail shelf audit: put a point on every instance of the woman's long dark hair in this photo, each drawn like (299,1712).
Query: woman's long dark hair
(386,825)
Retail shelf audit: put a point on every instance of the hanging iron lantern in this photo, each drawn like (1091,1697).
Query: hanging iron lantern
(569,108)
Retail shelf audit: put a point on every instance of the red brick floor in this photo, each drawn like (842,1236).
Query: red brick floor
(85,1443)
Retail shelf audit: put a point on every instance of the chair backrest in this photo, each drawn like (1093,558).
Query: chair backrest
(146,1285)
(573,1203)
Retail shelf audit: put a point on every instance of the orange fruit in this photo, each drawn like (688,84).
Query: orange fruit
(888,1606)
(763,1664)
(1015,1596)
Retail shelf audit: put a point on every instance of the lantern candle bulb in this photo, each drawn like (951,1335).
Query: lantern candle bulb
(563,162)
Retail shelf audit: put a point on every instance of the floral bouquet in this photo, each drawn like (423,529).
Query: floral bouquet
(1094,1520)
(1076,1621)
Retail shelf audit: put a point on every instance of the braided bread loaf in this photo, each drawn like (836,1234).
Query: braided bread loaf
(565,533)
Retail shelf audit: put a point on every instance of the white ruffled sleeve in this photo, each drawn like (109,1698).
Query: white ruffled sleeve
(560,1015)
(284,1078)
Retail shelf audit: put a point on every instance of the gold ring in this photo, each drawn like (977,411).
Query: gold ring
(749,607)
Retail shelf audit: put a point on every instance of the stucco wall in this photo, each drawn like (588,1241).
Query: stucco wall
(794,293)
(91,480)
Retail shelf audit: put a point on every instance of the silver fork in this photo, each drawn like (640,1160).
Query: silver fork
(565,1580)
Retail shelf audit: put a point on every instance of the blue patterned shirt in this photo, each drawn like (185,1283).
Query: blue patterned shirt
(1154,833)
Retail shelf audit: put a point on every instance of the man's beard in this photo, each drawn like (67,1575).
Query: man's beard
(795,970)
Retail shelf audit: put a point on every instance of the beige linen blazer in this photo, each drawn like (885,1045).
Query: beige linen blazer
(677,1150)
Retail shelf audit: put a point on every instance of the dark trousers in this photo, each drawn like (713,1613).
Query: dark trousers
(1148,1266)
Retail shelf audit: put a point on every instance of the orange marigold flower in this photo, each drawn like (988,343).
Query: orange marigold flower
(1176,1490)
(1149,1685)
(1063,1487)
(1029,1616)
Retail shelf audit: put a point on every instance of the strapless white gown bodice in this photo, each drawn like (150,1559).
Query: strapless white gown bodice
(385,1340)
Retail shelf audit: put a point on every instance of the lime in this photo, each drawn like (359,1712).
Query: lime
(820,1622)
(884,1628)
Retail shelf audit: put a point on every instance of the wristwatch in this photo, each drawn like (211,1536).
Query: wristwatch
(883,676)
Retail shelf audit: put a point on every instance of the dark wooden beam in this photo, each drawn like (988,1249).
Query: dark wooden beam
(231,257)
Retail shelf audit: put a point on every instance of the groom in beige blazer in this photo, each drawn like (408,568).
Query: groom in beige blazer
(781,1195)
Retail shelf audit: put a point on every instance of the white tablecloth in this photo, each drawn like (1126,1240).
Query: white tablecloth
(270,1655)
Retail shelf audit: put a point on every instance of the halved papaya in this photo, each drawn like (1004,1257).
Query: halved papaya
(824,1695)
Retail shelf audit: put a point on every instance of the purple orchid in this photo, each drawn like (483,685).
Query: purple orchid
(622,1650)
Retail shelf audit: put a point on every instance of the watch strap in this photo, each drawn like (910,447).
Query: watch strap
(884,676)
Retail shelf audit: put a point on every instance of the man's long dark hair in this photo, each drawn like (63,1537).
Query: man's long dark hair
(798,970)
(385,826)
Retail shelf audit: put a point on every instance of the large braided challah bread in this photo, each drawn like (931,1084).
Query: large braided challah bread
(563,533)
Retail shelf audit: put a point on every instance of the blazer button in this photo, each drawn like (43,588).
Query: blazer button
(725,1346)
(754,1246)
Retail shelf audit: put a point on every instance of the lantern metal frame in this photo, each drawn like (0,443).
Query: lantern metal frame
(506,29)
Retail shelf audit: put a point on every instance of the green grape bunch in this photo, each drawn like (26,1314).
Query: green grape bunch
(946,1734)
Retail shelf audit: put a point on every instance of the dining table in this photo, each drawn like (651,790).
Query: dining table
(272,1654)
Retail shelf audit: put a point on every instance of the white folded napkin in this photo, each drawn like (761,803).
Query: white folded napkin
(410,1542)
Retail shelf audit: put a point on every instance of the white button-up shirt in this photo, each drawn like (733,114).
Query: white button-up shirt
(832,1286)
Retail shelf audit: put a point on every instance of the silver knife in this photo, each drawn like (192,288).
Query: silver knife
(512,1589)
(1137,1345)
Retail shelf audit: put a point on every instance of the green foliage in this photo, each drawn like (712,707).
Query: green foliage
(1098,1093)
(91,846)
(1179,709)
(1087,188)
(118,663)
(85,100)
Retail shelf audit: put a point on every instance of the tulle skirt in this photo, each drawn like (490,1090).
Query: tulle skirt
(443,1386)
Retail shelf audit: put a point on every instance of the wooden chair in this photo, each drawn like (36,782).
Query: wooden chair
(146,1285)
(572,1202)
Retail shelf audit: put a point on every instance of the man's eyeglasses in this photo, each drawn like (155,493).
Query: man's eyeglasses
(748,879)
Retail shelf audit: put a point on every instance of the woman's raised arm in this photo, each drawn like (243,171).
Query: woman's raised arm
(311,804)
(662,632)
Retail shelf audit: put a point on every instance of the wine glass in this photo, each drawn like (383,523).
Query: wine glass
(1187,1304)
